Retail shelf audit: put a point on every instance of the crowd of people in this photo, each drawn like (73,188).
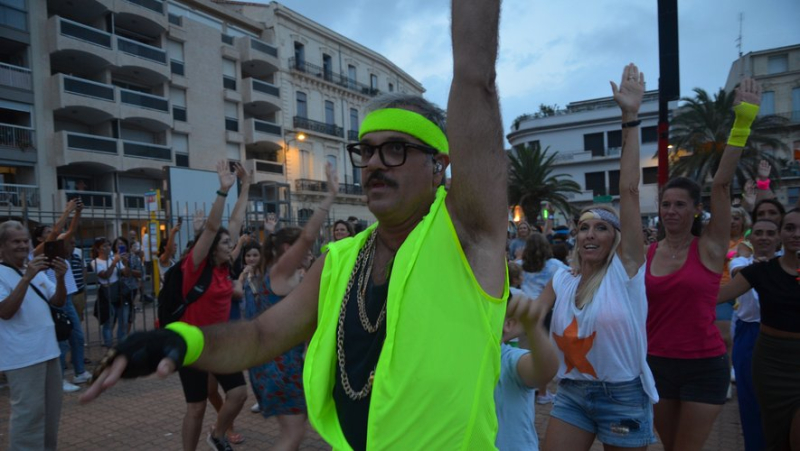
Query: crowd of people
(636,326)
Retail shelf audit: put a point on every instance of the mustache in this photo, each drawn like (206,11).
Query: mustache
(380,176)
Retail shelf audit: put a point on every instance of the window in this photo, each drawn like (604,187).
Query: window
(302,105)
(305,163)
(231,117)
(795,104)
(175,52)
(12,14)
(613,183)
(333,161)
(327,67)
(649,134)
(182,160)
(793,193)
(177,98)
(354,119)
(356,175)
(391,87)
(767,103)
(594,142)
(650,175)
(329,116)
(300,55)
(232,152)
(777,64)
(596,181)
(180,145)
(373,82)
(614,140)
(351,75)
(228,74)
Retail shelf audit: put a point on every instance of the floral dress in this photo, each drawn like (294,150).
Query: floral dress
(278,385)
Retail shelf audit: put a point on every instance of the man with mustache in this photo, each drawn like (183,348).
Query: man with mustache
(378,374)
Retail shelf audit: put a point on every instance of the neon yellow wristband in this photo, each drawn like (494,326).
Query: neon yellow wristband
(193,337)
(745,115)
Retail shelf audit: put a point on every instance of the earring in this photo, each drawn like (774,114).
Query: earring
(437,168)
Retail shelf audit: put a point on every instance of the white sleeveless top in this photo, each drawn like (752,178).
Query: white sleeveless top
(607,339)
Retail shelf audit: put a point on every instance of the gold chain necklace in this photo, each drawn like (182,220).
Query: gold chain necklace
(363,261)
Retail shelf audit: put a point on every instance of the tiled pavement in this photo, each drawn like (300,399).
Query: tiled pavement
(147,414)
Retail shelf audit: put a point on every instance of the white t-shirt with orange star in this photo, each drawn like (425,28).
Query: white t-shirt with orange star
(607,339)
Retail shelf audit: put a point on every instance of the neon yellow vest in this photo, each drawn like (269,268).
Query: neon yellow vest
(440,362)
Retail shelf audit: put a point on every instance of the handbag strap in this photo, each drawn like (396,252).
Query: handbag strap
(30,285)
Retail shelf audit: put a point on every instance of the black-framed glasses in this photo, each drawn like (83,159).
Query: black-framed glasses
(392,153)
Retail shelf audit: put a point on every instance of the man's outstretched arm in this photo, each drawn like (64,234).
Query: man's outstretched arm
(477,199)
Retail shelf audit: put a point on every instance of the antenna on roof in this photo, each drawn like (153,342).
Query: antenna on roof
(739,39)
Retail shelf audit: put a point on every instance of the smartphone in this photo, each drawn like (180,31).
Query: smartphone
(53,249)
(122,249)
(180,220)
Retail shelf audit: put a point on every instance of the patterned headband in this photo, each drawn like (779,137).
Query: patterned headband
(603,215)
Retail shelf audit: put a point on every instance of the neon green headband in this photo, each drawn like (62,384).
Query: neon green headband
(405,121)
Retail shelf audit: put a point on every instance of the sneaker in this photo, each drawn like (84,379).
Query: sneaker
(256,408)
(546,398)
(82,378)
(730,391)
(69,388)
(219,444)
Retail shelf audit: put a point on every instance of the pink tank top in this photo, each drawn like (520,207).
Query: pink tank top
(682,309)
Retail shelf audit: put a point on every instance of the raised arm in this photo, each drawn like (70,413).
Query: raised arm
(214,220)
(57,227)
(237,217)
(629,98)
(714,242)
(73,225)
(281,272)
(763,190)
(169,248)
(477,201)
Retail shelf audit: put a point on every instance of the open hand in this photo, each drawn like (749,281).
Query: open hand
(630,91)
(270,223)
(241,172)
(749,194)
(748,91)
(226,177)
(764,168)
(332,178)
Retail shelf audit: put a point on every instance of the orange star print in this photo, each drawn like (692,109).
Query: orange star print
(575,349)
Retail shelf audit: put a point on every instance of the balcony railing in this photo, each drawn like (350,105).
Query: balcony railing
(352,135)
(145,150)
(84,33)
(15,76)
(92,199)
(268,167)
(332,77)
(16,136)
(349,188)
(14,195)
(266,88)
(144,51)
(132,201)
(14,17)
(311,185)
(144,100)
(319,127)
(793,116)
(91,143)
(88,88)
(263,47)
(154,5)
(267,127)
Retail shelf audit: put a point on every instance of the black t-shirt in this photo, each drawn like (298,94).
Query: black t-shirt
(778,294)
(362,350)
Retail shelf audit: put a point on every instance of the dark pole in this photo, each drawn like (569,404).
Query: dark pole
(668,78)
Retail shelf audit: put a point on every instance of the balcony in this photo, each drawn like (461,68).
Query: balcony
(262,135)
(153,5)
(792,116)
(15,76)
(16,136)
(259,97)
(91,143)
(93,200)
(19,196)
(72,147)
(144,100)
(351,189)
(328,75)
(266,171)
(316,186)
(352,135)
(319,127)
(14,17)
(146,150)
(258,58)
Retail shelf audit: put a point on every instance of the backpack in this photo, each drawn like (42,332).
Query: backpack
(171,303)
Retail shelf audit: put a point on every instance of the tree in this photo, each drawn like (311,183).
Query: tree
(531,182)
(701,127)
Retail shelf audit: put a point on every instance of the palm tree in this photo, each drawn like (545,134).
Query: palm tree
(701,127)
(530,181)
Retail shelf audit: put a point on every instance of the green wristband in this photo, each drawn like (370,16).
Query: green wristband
(193,337)
(745,115)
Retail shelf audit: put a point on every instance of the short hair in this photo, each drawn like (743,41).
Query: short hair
(783,218)
(775,202)
(7,227)
(694,190)
(347,225)
(416,103)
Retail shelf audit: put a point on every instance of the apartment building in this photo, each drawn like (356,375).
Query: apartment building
(778,72)
(587,139)
(98,96)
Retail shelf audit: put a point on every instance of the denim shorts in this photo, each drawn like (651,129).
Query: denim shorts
(619,413)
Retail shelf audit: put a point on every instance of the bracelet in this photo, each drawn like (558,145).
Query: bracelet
(745,115)
(762,184)
(631,123)
(193,337)
(222,193)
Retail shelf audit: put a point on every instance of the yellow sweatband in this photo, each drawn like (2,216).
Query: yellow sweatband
(193,337)
(745,115)
(408,122)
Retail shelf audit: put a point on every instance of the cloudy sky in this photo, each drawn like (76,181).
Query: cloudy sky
(557,52)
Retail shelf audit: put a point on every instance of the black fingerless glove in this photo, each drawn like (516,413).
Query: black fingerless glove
(144,351)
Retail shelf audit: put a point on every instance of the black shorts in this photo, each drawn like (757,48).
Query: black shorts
(195,383)
(696,380)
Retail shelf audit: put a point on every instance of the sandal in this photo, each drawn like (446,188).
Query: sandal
(234,437)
